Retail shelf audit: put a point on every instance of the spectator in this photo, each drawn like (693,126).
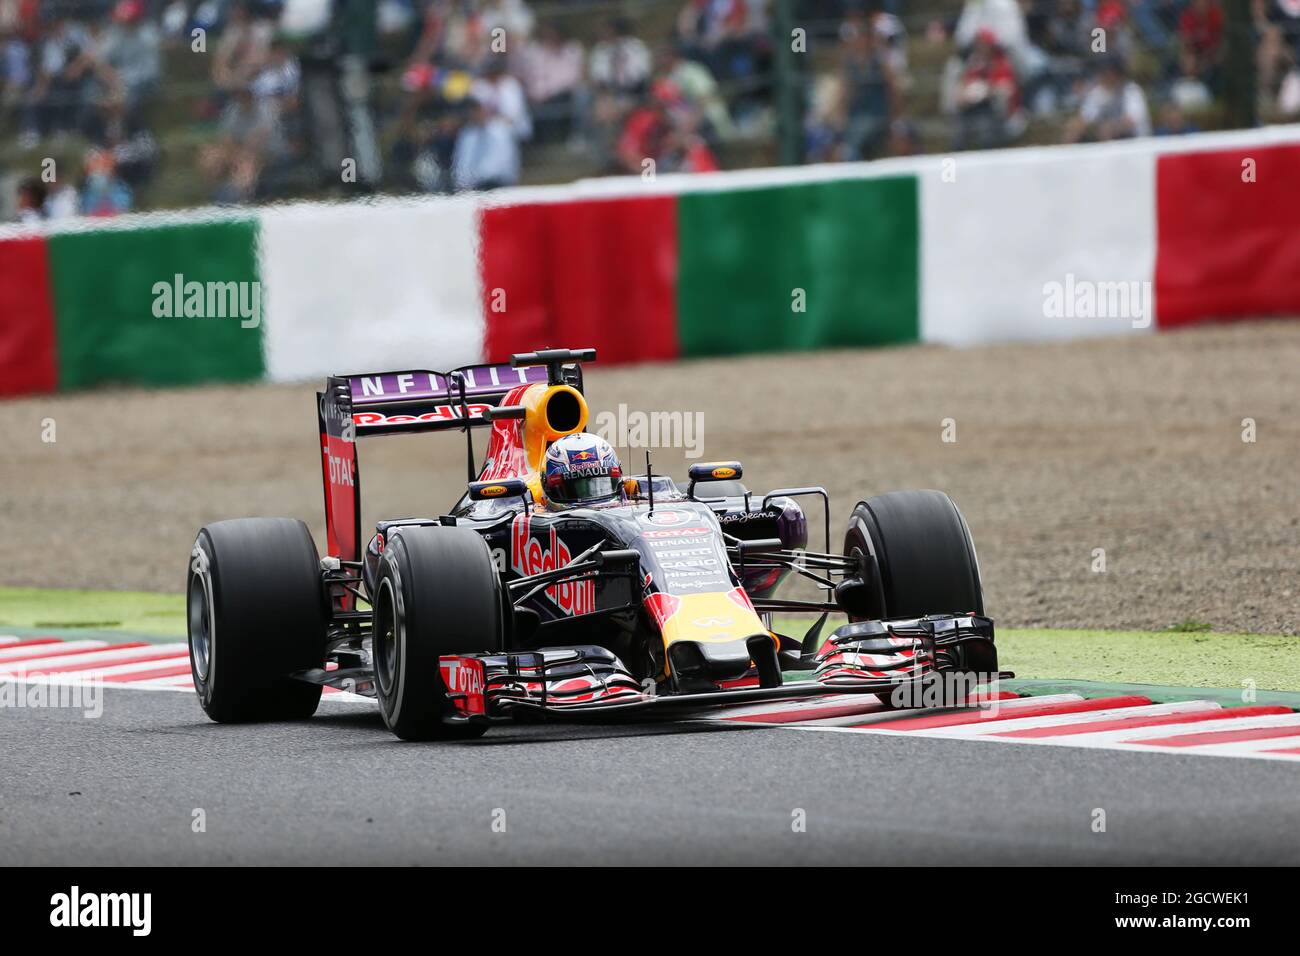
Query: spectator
(686,149)
(1200,34)
(824,131)
(1002,17)
(104,193)
(279,79)
(988,99)
(1066,29)
(31,201)
(1058,41)
(503,95)
(63,202)
(65,66)
(17,73)
(697,87)
(619,69)
(130,64)
(1278,25)
(354,34)
(665,130)
(250,135)
(1155,21)
(891,35)
(276,91)
(551,67)
(729,36)
(644,134)
(173,22)
(136,157)
(1006,22)
(1173,121)
(487,150)
(1288,96)
(241,51)
(620,62)
(457,34)
(427,153)
(1189,90)
(904,138)
(1113,107)
(870,91)
(449,35)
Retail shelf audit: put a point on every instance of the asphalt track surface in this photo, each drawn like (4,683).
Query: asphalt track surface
(123,788)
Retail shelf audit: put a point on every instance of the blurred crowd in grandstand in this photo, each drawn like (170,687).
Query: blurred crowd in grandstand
(170,102)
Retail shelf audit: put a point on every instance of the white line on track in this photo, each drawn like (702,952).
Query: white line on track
(117,655)
(1248,748)
(1071,720)
(7,653)
(1107,738)
(991,714)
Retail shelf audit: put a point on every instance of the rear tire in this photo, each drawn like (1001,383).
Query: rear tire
(256,613)
(438,593)
(923,554)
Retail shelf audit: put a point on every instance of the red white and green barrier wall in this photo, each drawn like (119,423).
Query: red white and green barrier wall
(956,250)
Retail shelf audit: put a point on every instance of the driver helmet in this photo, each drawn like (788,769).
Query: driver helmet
(581,470)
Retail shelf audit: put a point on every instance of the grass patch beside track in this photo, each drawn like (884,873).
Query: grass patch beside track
(64,611)
(1184,659)
(1181,658)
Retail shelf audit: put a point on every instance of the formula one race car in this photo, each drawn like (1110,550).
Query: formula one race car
(658,602)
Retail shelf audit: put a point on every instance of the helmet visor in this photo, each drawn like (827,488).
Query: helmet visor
(577,490)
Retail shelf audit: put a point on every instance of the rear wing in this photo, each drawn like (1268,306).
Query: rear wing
(390,403)
(387,403)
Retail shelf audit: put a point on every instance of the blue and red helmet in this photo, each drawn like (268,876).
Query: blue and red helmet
(581,469)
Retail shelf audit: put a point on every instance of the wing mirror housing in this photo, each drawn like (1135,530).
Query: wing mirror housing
(713,471)
(497,489)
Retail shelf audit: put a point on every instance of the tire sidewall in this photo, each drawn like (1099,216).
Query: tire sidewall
(859,539)
(429,617)
(266,619)
(201,571)
(392,590)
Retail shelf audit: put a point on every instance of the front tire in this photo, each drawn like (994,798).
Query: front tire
(922,559)
(923,556)
(256,613)
(438,593)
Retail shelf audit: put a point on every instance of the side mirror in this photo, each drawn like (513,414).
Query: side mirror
(713,471)
(501,488)
(716,471)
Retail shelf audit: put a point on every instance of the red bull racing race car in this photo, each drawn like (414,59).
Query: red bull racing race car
(559,587)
